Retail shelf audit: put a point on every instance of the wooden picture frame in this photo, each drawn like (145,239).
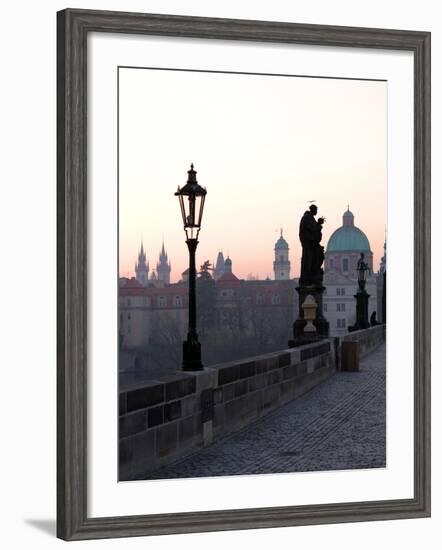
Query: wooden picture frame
(73,26)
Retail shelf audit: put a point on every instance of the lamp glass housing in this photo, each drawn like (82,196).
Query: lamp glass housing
(192,197)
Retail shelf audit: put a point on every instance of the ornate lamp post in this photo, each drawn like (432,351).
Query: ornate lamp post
(361,296)
(362,270)
(192,197)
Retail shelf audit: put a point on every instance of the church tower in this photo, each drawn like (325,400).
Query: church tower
(228,265)
(281,265)
(381,282)
(383,263)
(164,267)
(219,266)
(142,267)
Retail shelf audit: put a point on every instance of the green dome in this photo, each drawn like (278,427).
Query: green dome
(281,244)
(348,237)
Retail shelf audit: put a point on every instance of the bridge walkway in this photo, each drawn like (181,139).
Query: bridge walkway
(338,425)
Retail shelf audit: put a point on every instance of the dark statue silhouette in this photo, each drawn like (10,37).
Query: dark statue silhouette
(310,235)
(311,279)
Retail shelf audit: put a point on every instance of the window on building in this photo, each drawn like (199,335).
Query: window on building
(325,307)
(128,316)
(340,323)
(162,301)
(342,291)
(178,301)
(282,273)
(330,264)
(281,258)
(338,291)
(276,299)
(129,302)
(259,298)
(345,265)
(225,318)
(340,307)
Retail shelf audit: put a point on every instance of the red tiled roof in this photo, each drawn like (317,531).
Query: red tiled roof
(133,283)
(270,285)
(227,277)
(178,290)
(135,291)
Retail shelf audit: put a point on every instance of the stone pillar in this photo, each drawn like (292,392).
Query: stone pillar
(361,311)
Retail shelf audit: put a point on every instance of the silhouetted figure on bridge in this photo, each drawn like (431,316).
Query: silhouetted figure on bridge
(373,320)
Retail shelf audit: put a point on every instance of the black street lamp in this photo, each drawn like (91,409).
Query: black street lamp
(362,269)
(361,296)
(192,197)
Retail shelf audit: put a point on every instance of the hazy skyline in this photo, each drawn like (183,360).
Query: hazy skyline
(263,146)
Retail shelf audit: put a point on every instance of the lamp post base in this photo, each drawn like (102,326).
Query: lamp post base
(361,312)
(192,354)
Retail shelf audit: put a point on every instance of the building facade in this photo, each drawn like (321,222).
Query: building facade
(236,318)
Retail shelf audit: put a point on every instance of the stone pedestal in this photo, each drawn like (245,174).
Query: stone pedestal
(192,353)
(300,335)
(361,311)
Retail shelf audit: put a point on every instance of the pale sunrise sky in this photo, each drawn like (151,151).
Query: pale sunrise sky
(263,146)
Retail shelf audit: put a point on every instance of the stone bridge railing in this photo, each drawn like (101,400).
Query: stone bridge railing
(166,419)
(368,339)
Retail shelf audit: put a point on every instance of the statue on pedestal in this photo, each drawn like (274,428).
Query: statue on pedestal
(310,235)
(311,280)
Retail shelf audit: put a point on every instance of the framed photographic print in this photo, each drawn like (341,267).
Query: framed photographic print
(231,351)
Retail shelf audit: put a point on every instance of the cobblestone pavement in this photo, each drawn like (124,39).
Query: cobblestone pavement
(340,424)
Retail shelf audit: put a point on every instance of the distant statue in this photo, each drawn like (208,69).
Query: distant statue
(373,320)
(310,235)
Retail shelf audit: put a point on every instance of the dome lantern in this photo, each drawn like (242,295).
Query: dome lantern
(348,220)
